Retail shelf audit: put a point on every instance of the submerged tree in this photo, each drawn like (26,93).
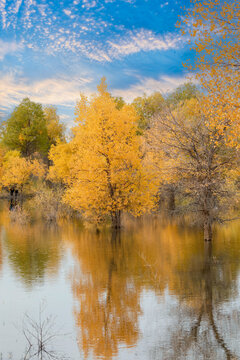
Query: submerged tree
(195,154)
(16,171)
(102,166)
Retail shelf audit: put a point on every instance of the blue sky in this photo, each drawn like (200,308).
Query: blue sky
(51,51)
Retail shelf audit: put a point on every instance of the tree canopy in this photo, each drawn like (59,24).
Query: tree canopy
(103,166)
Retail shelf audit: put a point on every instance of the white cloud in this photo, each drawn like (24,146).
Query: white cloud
(134,42)
(3,12)
(54,91)
(88,4)
(144,40)
(9,48)
(67,12)
(164,4)
(17,6)
(163,84)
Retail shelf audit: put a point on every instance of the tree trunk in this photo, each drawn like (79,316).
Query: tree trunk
(11,191)
(171,199)
(116,219)
(207,228)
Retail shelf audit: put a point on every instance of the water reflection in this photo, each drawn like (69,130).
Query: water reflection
(33,251)
(106,294)
(192,286)
(112,274)
(203,276)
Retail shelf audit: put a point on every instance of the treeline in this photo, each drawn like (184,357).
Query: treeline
(104,167)
(179,152)
(134,158)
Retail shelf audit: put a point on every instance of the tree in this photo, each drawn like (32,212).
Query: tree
(119,102)
(55,129)
(182,93)
(195,154)
(214,27)
(146,107)
(26,130)
(103,166)
(16,171)
(170,187)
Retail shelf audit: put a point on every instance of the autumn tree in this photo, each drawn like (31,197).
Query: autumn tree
(146,107)
(194,153)
(55,129)
(214,29)
(102,165)
(25,130)
(16,171)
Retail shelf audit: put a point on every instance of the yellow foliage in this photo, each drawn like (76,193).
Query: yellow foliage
(102,165)
(16,170)
(215,35)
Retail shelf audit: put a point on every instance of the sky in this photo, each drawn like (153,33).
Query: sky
(50,51)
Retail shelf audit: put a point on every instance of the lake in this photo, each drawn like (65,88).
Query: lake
(154,291)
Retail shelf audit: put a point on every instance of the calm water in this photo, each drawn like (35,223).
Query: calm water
(155,292)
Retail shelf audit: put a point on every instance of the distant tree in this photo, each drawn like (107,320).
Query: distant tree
(25,130)
(146,107)
(119,102)
(184,92)
(55,129)
(103,167)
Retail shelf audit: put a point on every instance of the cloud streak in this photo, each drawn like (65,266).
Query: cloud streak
(9,48)
(163,84)
(131,43)
(143,40)
(53,91)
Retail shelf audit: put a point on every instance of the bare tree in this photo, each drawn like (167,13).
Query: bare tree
(40,335)
(195,155)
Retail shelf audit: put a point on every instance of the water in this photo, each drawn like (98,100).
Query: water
(156,291)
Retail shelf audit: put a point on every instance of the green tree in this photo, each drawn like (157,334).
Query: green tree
(182,93)
(146,107)
(26,130)
(119,102)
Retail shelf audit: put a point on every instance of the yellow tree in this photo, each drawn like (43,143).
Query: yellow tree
(103,166)
(214,28)
(16,171)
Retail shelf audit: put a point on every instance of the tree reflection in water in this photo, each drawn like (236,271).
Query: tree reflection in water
(107,298)
(32,250)
(204,281)
(112,273)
